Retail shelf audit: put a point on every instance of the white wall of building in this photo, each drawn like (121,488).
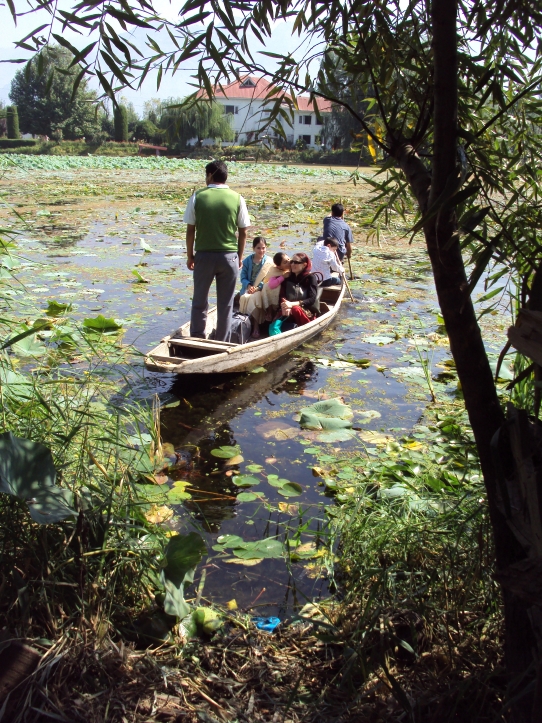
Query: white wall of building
(249,116)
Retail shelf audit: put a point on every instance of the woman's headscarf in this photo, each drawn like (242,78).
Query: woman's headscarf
(305,260)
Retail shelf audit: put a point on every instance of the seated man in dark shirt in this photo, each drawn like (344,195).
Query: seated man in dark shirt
(336,226)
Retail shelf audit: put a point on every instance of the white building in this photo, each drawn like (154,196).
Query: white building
(245,100)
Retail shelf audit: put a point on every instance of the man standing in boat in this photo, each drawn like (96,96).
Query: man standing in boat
(336,227)
(213,216)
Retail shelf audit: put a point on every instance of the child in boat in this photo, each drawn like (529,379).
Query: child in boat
(262,304)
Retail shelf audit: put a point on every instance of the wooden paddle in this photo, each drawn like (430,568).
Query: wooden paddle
(350,267)
(347,286)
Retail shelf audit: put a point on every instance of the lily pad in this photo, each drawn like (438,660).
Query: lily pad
(247,496)
(245,480)
(328,414)
(370,414)
(374,437)
(290,489)
(254,467)
(275,481)
(261,549)
(377,339)
(228,541)
(225,452)
(337,435)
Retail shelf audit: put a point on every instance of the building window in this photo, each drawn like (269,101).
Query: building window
(307,120)
(230,109)
(318,121)
(247,83)
(301,119)
(307,139)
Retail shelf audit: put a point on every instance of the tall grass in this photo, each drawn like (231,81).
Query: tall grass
(96,569)
(416,565)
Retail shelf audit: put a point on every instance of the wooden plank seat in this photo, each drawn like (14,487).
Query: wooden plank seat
(197,343)
(189,347)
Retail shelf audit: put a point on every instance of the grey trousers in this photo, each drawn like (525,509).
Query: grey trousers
(224,267)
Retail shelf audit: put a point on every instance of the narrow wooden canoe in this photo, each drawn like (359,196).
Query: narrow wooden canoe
(179,353)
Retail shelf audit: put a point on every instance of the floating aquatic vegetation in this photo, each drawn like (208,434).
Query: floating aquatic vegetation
(330,414)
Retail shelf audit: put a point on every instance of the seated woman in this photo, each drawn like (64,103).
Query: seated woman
(253,272)
(298,293)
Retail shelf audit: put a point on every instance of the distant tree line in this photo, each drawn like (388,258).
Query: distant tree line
(50,98)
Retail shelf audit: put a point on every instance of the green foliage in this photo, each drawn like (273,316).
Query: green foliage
(121,124)
(331,414)
(147,131)
(183,554)
(53,98)
(12,118)
(27,472)
(12,143)
(101,324)
(182,122)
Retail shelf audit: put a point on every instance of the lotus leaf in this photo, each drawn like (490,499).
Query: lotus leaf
(274,481)
(247,497)
(304,551)
(51,504)
(183,553)
(245,480)
(207,620)
(15,384)
(225,452)
(139,278)
(27,471)
(254,467)
(260,549)
(100,323)
(337,435)
(290,489)
(55,308)
(377,339)
(328,414)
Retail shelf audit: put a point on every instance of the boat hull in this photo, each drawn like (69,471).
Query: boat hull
(242,357)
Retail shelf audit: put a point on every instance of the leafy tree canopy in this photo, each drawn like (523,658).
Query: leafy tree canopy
(182,123)
(43,94)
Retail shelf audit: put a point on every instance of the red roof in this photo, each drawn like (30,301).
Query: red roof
(259,90)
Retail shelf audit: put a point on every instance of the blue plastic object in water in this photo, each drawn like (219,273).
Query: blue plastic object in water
(267,624)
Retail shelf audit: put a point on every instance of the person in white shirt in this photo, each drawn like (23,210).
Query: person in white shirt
(325,260)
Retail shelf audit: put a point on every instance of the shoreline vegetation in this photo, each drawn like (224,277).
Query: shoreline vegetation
(103,597)
(241,153)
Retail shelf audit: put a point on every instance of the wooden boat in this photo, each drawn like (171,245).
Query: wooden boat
(179,353)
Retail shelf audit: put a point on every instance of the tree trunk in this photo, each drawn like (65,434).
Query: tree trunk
(441,234)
